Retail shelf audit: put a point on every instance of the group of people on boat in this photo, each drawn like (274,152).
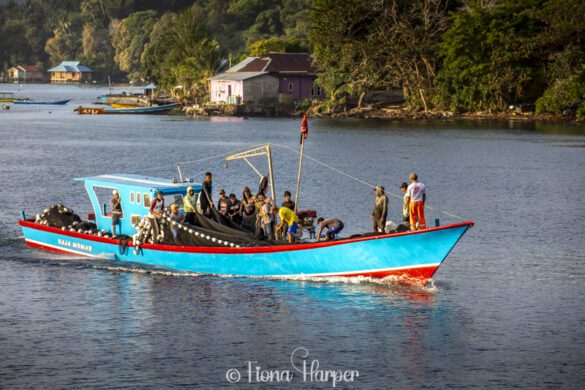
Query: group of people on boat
(413,206)
(260,214)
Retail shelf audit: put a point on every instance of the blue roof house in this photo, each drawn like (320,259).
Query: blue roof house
(70,72)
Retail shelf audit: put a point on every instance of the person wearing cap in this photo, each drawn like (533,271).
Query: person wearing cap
(380,210)
(157,205)
(190,205)
(116,210)
(333,225)
(176,216)
(405,213)
(417,196)
(206,202)
(222,204)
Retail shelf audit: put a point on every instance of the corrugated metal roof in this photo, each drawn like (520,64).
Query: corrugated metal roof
(240,65)
(237,76)
(281,63)
(70,66)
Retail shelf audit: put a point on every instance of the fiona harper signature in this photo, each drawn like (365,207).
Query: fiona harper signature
(307,370)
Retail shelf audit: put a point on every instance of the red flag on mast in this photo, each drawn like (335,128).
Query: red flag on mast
(304,128)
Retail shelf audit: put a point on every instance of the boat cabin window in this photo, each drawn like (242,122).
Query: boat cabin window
(146,201)
(104,197)
(131,197)
(136,219)
(138,198)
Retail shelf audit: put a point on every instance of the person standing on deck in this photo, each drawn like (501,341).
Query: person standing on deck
(417,197)
(116,210)
(288,203)
(405,211)
(288,216)
(157,206)
(222,204)
(206,202)
(190,205)
(380,210)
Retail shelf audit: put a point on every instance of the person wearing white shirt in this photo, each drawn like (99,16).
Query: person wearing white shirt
(416,194)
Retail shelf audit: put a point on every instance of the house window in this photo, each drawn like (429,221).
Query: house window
(290,87)
(318,91)
(131,197)
(229,90)
(312,89)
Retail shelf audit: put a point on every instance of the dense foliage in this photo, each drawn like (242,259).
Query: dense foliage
(460,55)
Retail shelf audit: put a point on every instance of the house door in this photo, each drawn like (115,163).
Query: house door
(229,90)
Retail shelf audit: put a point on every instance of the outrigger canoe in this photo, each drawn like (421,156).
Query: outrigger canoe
(46,102)
(415,255)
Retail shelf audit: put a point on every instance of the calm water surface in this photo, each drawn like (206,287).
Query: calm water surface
(506,309)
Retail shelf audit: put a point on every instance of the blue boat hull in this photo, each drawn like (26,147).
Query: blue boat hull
(143,110)
(415,255)
(43,103)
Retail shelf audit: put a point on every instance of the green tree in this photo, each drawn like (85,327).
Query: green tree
(130,37)
(280,44)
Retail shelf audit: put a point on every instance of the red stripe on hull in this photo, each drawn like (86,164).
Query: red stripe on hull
(423,273)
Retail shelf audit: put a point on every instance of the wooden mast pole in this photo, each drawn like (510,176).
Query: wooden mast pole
(272,190)
(300,171)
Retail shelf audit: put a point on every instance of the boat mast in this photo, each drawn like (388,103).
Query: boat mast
(299,175)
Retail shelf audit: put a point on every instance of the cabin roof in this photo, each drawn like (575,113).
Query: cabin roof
(70,66)
(137,181)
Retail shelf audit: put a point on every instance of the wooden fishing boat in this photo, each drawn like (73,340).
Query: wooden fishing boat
(43,102)
(217,249)
(6,97)
(90,110)
(144,110)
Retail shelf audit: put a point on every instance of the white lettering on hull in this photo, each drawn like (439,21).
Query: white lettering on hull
(74,245)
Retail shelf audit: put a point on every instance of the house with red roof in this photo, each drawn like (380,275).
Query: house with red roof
(285,77)
(25,73)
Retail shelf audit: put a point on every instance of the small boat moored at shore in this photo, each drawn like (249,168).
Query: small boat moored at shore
(134,110)
(43,103)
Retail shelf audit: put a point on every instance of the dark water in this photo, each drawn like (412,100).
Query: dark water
(506,309)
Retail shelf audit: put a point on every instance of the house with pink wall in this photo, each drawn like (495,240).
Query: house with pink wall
(283,76)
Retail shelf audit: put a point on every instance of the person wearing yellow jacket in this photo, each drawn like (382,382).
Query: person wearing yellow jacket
(190,205)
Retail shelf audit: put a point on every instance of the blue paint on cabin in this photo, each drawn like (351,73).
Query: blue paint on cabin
(136,192)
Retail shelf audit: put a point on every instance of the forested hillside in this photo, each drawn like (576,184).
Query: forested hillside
(446,54)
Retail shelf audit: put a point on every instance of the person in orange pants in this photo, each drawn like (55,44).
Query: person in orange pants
(416,195)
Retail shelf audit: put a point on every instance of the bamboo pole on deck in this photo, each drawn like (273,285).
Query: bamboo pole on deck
(300,171)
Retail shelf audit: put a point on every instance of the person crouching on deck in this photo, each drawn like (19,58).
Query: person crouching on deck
(380,210)
(116,210)
(157,206)
(333,225)
(289,217)
(417,197)
(177,217)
